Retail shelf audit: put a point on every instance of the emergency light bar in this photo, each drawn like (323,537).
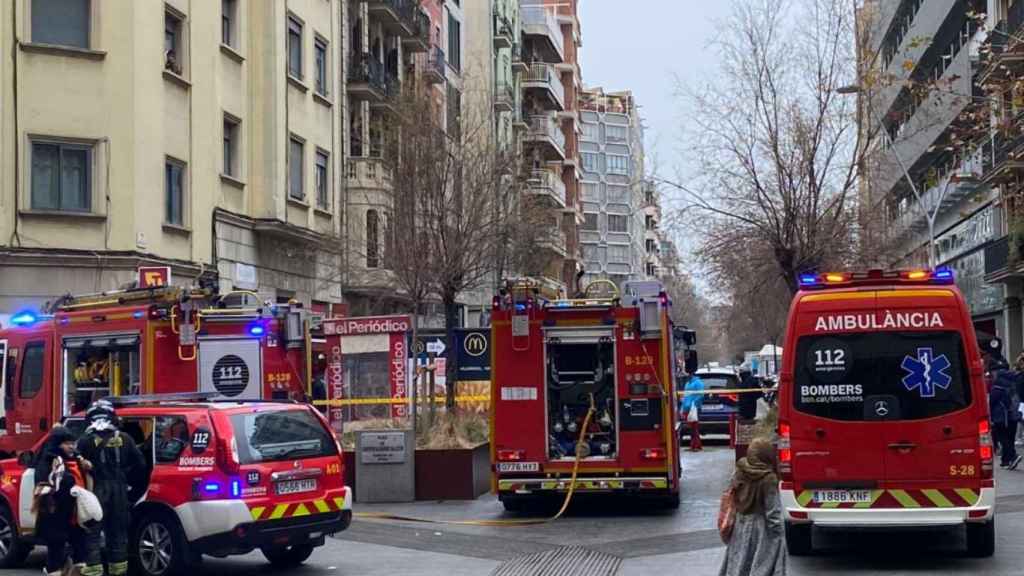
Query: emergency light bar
(810,281)
(160,398)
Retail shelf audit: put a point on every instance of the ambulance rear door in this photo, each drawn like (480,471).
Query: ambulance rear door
(232,366)
(3,386)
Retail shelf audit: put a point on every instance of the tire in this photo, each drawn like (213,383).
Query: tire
(158,546)
(672,502)
(514,505)
(13,550)
(798,539)
(981,539)
(287,556)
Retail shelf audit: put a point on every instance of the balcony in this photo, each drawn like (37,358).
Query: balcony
(504,33)
(519,66)
(546,135)
(436,69)
(1006,163)
(555,241)
(397,16)
(548,185)
(1006,46)
(504,97)
(419,40)
(369,173)
(541,29)
(367,79)
(543,82)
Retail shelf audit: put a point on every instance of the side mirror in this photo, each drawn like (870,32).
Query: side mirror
(26,458)
(691,361)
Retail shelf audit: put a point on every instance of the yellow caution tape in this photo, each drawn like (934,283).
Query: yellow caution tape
(723,391)
(363,401)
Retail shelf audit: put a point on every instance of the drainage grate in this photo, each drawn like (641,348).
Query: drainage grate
(565,561)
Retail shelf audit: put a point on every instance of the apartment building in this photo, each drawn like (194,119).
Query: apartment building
(1003,169)
(620,208)
(921,130)
(204,136)
(654,238)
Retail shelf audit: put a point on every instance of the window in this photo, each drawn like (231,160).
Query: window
(323,186)
(61,177)
(228,17)
(591,192)
(591,132)
(615,133)
(843,376)
(170,437)
(320,61)
(454,42)
(61,22)
(294,47)
(372,239)
(454,111)
(174,55)
(590,221)
(231,159)
(618,164)
(279,435)
(590,161)
(296,154)
(618,194)
(174,186)
(32,365)
(618,253)
(618,223)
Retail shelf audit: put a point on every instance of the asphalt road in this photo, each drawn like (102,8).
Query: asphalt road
(622,540)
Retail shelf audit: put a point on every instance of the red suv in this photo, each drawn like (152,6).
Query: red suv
(224,478)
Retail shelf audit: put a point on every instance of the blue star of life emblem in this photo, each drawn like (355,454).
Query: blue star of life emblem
(926,372)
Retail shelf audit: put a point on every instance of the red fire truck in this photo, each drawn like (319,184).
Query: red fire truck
(145,341)
(554,361)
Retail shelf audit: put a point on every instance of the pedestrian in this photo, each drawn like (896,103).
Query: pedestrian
(1004,406)
(119,474)
(61,476)
(693,399)
(746,405)
(756,546)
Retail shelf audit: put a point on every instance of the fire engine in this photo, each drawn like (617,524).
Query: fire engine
(143,341)
(607,355)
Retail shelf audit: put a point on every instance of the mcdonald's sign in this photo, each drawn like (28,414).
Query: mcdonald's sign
(474,351)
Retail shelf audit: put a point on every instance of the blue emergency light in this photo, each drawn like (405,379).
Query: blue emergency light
(808,279)
(257,330)
(138,314)
(211,487)
(24,318)
(236,489)
(943,274)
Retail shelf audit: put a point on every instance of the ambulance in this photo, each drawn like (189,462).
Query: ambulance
(584,384)
(163,339)
(883,412)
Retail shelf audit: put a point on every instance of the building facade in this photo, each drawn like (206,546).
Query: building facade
(620,208)
(204,136)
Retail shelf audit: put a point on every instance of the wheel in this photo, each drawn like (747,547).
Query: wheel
(672,502)
(981,539)
(159,547)
(13,551)
(798,539)
(514,505)
(288,556)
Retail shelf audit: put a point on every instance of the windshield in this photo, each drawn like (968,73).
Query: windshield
(881,376)
(717,381)
(281,435)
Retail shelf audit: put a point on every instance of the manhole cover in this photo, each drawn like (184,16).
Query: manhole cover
(566,561)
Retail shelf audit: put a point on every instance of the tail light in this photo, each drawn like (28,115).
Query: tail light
(511,455)
(227,455)
(653,454)
(985,448)
(734,397)
(785,453)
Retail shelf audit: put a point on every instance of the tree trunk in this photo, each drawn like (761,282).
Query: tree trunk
(451,320)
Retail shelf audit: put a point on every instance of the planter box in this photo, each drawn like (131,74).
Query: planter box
(461,474)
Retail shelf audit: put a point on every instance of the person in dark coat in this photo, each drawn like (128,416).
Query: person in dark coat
(757,546)
(58,470)
(119,471)
(1003,405)
(747,404)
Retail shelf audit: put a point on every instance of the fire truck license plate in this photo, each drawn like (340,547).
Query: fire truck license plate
(296,486)
(518,467)
(841,496)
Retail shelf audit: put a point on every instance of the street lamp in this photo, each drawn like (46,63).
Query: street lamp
(930,214)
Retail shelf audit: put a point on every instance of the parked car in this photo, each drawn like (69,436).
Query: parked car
(225,478)
(717,409)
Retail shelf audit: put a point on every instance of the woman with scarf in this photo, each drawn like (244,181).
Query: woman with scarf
(756,547)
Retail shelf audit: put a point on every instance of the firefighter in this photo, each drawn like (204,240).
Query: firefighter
(118,471)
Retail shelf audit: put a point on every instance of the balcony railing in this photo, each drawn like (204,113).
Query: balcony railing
(542,75)
(368,173)
(436,68)
(504,34)
(397,13)
(547,182)
(547,127)
(540,21)
(419,41)
(366,69)
(504,96)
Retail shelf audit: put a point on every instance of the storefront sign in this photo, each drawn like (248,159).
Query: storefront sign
(981,297)
(366,326)
(967,235)
(154,276)
(399,382)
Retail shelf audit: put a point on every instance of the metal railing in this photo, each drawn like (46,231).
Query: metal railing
(545,74)
(504,93)
(542,126)
(406,10)
(503,27)
(436,63)
(548,181)
(420,26)
(542,21)
(367,69)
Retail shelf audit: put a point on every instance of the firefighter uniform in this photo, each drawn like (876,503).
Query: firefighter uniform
(118,470)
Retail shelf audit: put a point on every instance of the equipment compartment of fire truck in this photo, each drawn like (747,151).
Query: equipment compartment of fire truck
(581,368)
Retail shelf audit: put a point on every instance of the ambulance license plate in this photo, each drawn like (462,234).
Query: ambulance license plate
(518,467)
(296,486)
(841,496)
